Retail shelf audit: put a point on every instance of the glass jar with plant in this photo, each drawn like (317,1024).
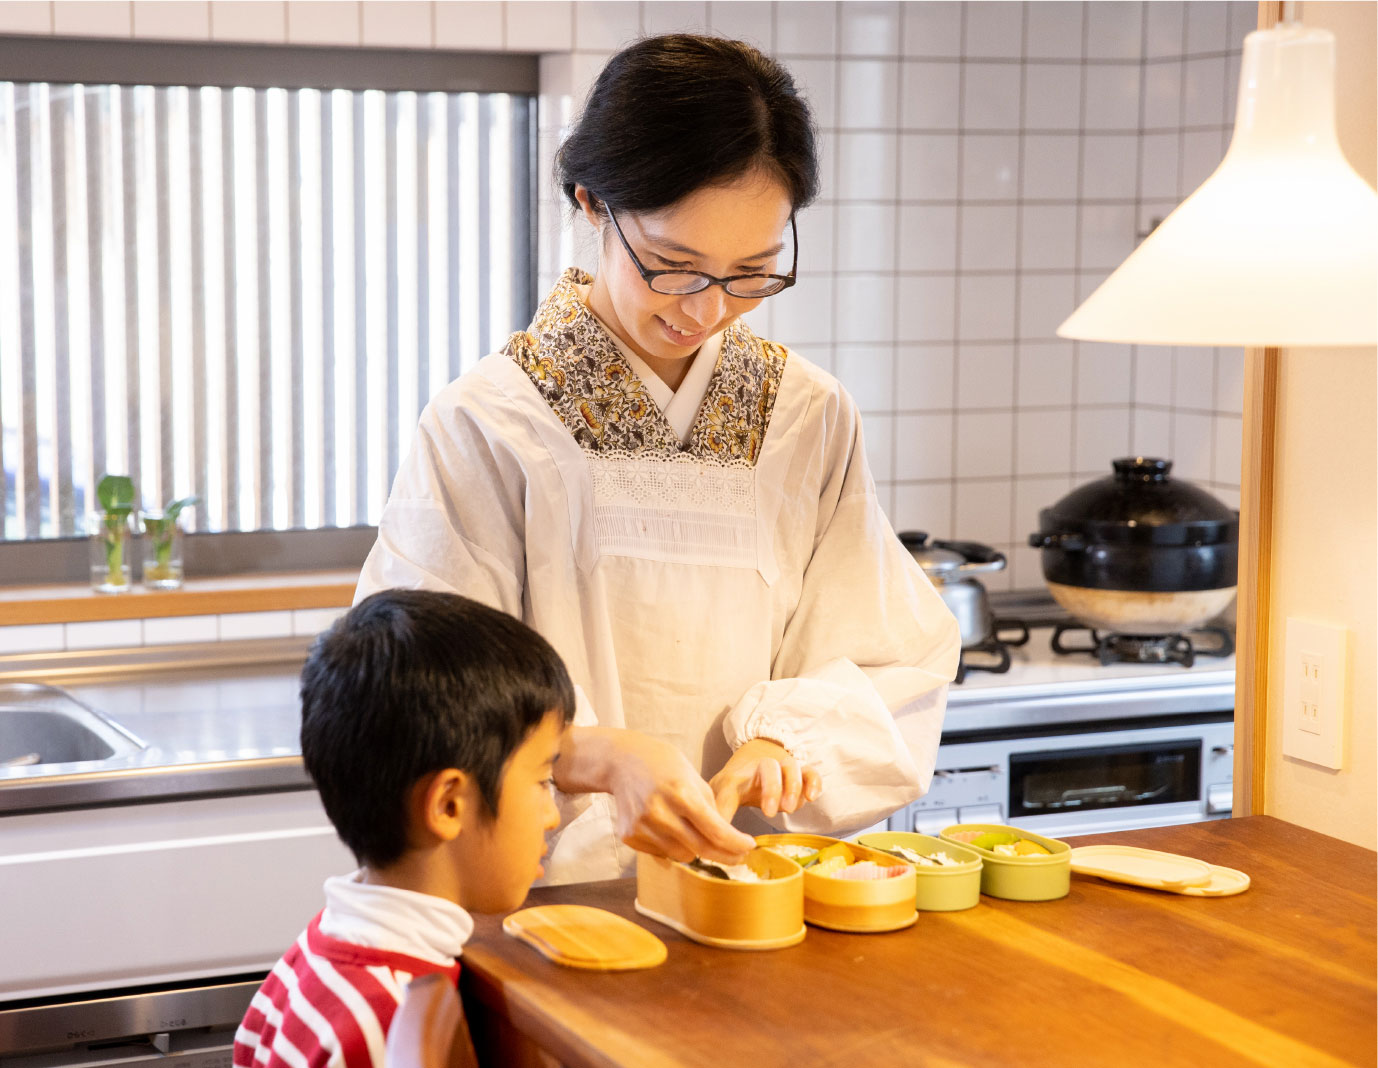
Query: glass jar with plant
(163,545)
(110,534)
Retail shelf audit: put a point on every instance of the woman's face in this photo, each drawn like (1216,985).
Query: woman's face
(719,230)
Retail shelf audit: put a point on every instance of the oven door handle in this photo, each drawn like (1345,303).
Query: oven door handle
(1095,794)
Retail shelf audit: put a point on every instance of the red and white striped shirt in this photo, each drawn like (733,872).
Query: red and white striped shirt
(328,1003)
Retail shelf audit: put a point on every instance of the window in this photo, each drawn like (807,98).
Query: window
(246,293)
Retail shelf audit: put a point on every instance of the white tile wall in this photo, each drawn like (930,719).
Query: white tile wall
(169,630)
(933,29)
(539,25)
(674,16)
(310,621)
(1114,31)
(178,630)
(999,157)
(33,638)
(746,20)
(324,22)
(264,21)
(26,16)
(398,23)
(181,20)
(256,625)
(104,633)
(475,25)
(93,18)
(869,28)
(1054,30)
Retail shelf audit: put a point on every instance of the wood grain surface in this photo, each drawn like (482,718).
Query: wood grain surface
(268,591)
(1283,974)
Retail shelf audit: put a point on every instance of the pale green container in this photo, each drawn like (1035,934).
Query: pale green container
(1036,878)
(945,889)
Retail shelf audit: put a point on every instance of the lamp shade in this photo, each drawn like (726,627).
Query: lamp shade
(1278,247)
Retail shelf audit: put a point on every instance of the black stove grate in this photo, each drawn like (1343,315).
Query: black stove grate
(1114,648)
(993,654)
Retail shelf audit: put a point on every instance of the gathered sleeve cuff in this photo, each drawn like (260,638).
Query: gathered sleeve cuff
(835,720)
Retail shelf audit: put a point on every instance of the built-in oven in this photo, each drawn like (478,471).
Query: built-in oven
(1100,753)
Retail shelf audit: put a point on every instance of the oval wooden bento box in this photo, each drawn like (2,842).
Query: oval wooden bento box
(722,913)
(853,905)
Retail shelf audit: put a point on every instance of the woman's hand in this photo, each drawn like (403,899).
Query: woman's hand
(663,805)
(762,773)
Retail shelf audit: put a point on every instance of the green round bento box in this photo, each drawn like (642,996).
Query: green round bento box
(1036,878)
(940,889)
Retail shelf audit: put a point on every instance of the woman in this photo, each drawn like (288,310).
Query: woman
(683,509)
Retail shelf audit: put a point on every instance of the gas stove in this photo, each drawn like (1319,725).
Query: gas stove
(1066,744)
(1036,644)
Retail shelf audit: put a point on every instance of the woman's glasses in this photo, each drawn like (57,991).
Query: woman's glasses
(680,283)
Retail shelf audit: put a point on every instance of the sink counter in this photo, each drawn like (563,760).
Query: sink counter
(211,725)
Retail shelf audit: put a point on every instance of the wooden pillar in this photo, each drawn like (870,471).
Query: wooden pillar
(1255,559)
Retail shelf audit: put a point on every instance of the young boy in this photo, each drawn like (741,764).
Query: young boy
(430,724)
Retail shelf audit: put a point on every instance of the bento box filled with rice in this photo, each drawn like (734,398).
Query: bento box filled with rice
(848,886)
(1016,864)
(947,876)
(758,904)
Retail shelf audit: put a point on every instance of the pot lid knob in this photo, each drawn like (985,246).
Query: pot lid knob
(1141,469)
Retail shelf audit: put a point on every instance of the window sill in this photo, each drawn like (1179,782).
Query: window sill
(275,591)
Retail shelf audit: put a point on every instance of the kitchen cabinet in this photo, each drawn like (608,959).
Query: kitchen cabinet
(199,854)
(1282,974)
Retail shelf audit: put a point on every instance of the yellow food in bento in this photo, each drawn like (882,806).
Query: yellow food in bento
(837,849)
(831,866)
(1025,847)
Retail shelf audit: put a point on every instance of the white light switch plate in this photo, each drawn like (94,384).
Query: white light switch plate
(1315,692)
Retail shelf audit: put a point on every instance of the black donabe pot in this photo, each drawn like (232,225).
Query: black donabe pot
(1138,553)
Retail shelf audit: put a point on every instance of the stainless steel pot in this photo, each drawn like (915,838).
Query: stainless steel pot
(950,566)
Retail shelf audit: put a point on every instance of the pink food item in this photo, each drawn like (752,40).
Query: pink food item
(869,871)
(965,836)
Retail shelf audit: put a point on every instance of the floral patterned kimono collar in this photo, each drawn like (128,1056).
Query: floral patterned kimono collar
(575,364)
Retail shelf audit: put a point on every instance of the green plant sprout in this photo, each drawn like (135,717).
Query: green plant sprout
(116,496)
(160,530)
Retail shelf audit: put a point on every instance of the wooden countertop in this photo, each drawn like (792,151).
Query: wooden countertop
(1283,974)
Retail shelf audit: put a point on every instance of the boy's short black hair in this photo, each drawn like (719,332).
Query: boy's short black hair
(410,682)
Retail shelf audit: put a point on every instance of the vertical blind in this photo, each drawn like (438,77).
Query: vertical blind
(245,294)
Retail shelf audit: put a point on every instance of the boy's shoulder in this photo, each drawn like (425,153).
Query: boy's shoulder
(327,1002)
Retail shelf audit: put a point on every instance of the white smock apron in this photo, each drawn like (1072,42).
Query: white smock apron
(737,582)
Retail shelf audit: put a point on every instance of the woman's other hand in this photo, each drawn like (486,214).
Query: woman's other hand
(762,773)
(663,805)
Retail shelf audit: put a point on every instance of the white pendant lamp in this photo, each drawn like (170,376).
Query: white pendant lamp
(1279,247)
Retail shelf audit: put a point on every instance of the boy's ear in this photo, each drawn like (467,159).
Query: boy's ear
(443,803)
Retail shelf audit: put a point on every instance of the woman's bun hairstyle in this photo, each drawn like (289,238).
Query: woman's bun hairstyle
(669,115)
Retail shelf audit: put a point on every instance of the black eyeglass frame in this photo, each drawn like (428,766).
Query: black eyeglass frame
(785,280)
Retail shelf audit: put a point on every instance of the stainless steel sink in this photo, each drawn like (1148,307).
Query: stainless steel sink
(42,725)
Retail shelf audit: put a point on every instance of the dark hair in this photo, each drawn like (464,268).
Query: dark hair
(410,682)
(669,115)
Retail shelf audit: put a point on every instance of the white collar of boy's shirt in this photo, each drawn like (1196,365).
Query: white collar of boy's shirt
(398,921)
(679,406)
